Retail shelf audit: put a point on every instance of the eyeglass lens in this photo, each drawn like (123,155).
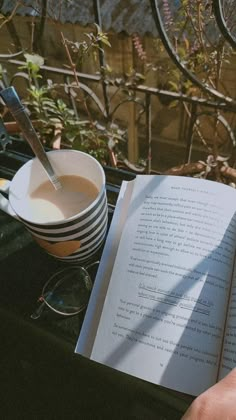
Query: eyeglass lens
(67,292)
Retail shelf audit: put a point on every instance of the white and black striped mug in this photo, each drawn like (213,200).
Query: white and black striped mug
(71,230)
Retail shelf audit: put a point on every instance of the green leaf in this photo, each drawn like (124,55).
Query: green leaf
(105,41)
(173,85)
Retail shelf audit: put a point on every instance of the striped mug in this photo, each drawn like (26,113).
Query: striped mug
(69,237)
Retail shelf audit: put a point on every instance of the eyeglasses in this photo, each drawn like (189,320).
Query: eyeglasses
(66,292)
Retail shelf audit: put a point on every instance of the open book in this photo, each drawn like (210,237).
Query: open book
(163,306)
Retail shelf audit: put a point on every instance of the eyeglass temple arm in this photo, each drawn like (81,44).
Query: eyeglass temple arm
(37,313)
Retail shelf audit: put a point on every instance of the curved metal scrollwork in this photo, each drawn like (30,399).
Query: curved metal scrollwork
(176,59)
(220,19)
(9,56)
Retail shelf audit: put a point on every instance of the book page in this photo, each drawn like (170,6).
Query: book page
(228,361)
(165,308)
(89,328)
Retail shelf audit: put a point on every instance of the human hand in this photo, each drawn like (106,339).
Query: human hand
(217,403)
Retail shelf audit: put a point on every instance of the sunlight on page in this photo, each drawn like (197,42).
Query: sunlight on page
(93,313)
(165,308)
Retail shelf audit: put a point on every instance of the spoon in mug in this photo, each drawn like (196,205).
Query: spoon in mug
(12,101)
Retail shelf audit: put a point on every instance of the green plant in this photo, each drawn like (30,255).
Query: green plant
(75,123)
(58,121)
(198,43)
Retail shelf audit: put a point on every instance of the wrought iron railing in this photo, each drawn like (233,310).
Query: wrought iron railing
(219,15)
(214,100)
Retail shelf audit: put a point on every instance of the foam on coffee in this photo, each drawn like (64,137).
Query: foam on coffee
(48,205)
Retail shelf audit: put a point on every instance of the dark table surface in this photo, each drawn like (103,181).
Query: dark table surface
(40,375)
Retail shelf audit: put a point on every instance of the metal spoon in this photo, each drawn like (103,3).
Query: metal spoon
(12,101)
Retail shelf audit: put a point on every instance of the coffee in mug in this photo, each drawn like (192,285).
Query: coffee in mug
(48,204)
(70,224)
